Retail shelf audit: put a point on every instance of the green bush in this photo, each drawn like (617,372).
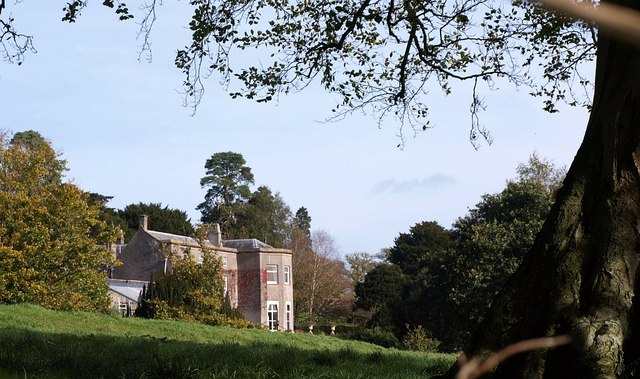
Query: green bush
(224,320)
(419,339)
(190,291)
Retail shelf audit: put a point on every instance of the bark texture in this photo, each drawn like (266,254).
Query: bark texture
(580,276)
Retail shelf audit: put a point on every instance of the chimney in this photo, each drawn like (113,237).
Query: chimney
(143,222)
(214,235)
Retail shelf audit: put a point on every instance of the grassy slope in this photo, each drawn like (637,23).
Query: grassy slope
(35,342)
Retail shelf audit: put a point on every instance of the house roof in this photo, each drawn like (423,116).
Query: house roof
(175,238)
(128,288)
(250,243)
(239,244)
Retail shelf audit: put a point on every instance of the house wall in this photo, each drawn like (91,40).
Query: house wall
(140,258)
(280,293)
(122,304)
(250,286)
(255,293)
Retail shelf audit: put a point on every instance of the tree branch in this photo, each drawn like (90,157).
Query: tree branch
(474,368)
(350,28)
(14,45)
(403,64)
(146,25)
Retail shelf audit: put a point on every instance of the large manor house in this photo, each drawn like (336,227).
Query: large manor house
(257,277)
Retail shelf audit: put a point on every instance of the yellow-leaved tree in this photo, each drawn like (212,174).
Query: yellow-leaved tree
(53,247)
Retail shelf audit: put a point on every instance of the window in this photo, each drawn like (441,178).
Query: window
(287,315)
(272,274)
(225,261)
(272,315)
(287,274)
(226,285)
(200,259)
(124,306)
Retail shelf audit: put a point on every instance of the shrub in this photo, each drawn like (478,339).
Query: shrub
(419,339)
(189,291)
(223,320)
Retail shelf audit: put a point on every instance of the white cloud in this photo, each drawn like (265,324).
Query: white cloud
(394,186)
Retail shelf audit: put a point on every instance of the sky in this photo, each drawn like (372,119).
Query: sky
(122,127)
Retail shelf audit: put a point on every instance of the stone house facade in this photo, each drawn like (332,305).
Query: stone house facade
(257,277)
(124,294)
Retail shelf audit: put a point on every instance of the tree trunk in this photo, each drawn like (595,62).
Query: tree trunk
(580,276)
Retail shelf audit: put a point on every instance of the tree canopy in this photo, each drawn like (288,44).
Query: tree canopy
(53,246)
(383,57)
(227,181)
(410,250)
(265,216)
(452,275)
(360,263)
(162,219)
(321,284)
(302,221)
(243,213)
(382,292)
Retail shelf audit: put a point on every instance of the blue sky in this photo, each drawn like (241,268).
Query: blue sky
(124,131)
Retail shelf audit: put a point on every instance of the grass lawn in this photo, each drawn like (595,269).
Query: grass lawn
(38,343)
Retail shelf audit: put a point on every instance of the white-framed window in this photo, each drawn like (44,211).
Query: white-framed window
(225,261)
(286,271)
(124,306)
(287,316)
(272,274)
(200,259)
(226,285)
(272,315)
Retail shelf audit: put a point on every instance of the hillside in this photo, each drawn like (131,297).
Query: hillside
(41,343)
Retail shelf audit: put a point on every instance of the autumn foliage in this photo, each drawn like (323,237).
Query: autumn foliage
(49,234)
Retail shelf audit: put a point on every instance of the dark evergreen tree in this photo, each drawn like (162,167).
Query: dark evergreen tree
(28,139)
(108,214)
(381,293)
(412,250)
(161,219)
(265,216)
(227,181)
(302,221)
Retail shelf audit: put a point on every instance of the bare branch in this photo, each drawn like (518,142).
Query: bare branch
(474,368)
(14,45)
(146,25)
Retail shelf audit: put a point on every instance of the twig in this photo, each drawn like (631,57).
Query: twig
(474,367)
